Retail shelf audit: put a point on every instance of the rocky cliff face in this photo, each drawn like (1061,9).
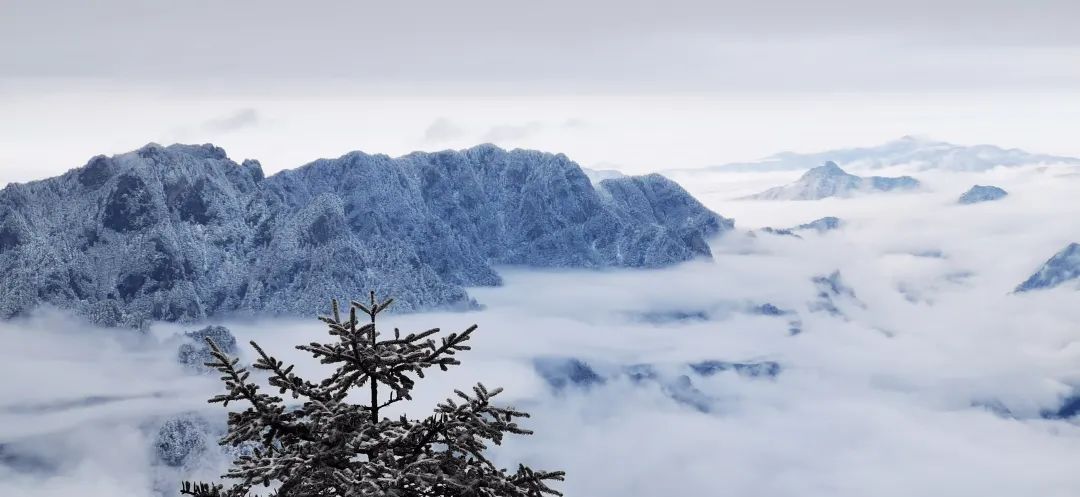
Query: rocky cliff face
(181,233)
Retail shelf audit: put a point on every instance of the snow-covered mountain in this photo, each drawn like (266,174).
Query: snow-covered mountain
(182,232)
(830,180)
(981,193)
(918,152)
(1062,267)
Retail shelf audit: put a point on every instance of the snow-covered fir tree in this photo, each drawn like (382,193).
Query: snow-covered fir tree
(330,446)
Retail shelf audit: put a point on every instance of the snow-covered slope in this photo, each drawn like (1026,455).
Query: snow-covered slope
(1062,267)
(182,232)
(918,152)
(830,180)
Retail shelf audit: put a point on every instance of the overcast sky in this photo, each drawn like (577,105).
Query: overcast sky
(234,72)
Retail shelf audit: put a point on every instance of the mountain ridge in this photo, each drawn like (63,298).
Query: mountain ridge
(829,180)
(923,153)
(182,232)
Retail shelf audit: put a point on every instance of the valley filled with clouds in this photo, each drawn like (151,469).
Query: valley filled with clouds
(888,356)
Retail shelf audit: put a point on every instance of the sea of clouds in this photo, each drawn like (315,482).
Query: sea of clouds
(931,379)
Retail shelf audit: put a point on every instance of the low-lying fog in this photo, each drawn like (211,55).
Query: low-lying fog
(915,371)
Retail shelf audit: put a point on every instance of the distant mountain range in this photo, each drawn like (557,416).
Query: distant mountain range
(918,152)
(181,233)
(830,180)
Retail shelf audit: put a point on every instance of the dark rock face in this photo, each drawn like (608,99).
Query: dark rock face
(182,233)
(129,207)
(95,173)
(9,239)
(190,200)
(1062,267)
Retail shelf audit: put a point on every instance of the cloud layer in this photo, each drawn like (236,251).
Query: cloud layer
(932,384)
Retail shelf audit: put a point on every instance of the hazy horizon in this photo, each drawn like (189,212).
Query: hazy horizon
(634,134)
(624,85)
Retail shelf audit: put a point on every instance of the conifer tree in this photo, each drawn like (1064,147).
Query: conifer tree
(330,446)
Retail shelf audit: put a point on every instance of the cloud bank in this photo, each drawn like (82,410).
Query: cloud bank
(930,380)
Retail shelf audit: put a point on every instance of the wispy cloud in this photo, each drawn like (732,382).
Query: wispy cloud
(524,131)
(512,132)
(442,130)
(242,118)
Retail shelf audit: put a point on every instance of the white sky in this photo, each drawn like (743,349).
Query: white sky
(632,85)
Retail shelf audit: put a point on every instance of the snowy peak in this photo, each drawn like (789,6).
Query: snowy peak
(829,180)
(1064,266)
(980,193)
(827,170)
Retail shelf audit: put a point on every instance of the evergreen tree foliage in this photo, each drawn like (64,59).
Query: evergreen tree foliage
(329,446)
